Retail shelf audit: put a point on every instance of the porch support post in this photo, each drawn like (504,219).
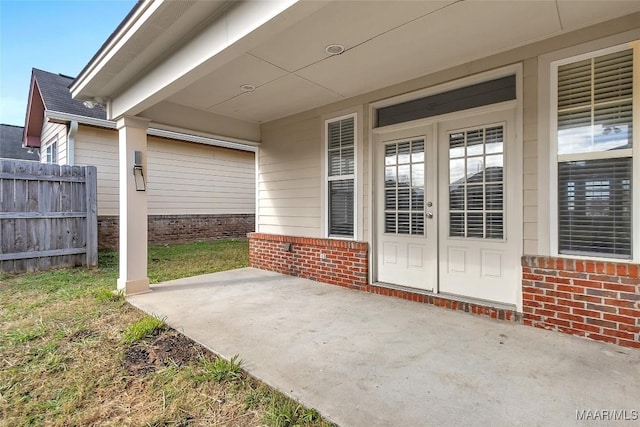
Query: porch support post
(132,133)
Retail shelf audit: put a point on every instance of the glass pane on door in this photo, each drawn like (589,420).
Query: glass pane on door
(476,184)
(404,187)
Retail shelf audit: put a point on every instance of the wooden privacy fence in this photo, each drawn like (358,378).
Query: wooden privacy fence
(48,216)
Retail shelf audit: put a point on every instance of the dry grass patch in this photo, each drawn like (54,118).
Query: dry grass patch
(74,353)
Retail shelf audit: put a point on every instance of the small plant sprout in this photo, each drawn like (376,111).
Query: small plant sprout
(143,328)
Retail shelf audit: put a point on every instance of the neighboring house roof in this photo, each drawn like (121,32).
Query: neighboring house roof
(11,144)
(54,89)
(49,96)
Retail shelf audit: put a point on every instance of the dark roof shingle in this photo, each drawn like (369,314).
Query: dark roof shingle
(11,144)
(57,97)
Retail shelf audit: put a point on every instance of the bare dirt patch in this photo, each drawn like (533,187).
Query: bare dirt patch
(169,348)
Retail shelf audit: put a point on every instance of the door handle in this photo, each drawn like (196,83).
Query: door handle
(429,215)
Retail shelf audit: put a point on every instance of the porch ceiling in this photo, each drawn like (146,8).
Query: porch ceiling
(385,43)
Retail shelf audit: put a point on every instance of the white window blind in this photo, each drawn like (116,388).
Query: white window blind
(595,206)
(595,120)
(404,187)
(341,176)
(476,183)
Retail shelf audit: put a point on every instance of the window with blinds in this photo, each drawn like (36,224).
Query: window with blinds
(341,176)
(476,183)
(404,187)
(595,151)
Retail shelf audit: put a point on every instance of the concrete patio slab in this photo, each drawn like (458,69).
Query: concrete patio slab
(367,360)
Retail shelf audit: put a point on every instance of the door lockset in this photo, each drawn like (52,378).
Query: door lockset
(429,215)
(429,204)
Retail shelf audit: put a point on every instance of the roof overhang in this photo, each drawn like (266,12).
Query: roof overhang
(35,116)
(181,61)
(161,131)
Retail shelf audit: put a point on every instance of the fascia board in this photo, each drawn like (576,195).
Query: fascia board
(153,131)
(140,15)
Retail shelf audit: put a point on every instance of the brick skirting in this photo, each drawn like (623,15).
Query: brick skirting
(346,264)
(107,232)
(597,300)
(170,229)
(451,303)
(337,262)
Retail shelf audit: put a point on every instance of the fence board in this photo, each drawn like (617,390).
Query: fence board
(43,215)
(91,206)
(20,244)
(32,196)
(10,175)
(8,243)
(48,216)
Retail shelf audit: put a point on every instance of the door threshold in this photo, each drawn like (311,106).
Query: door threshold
(492,309)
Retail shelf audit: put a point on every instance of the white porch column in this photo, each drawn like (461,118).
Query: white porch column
(132,133)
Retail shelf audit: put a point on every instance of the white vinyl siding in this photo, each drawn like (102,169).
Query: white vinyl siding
(594,154)
(189,178)
(99,147)
(290,179)
(54,132)
(182,177)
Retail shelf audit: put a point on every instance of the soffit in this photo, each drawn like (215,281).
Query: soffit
(164,31)
(386,43)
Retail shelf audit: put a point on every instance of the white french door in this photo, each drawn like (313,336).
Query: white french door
(407,235)
(480,218)
(448,210)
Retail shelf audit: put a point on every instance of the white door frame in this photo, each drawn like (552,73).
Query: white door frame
(516,69)
(482,268)
(424,271)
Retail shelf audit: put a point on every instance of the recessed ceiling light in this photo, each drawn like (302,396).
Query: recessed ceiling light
(247,88)
(334,49)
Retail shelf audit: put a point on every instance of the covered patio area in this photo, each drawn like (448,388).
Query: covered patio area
(362,360)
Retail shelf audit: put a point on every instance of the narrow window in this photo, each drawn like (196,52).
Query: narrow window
(52,152)
(594,135)
(341,138)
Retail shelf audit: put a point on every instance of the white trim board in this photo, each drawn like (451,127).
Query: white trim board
(159,132)
(356,113)
(547,162)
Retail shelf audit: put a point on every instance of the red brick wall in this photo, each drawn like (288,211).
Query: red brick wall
(107,232)
(597,300)
(452,304)
(345,264)
(170,229)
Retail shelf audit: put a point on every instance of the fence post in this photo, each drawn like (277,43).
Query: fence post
(91,191)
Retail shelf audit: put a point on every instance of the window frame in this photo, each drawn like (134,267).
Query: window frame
(555,159)
(327,179)
(396,188)
(51,149)
(505,185)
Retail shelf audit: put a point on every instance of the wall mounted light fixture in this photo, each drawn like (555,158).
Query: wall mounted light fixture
(138,173)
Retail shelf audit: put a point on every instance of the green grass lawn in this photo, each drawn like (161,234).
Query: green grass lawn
(74,353)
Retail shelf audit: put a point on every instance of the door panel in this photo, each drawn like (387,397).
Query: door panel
(407,235)
(479,227)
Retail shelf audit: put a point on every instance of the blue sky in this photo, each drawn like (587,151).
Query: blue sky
(56,36)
